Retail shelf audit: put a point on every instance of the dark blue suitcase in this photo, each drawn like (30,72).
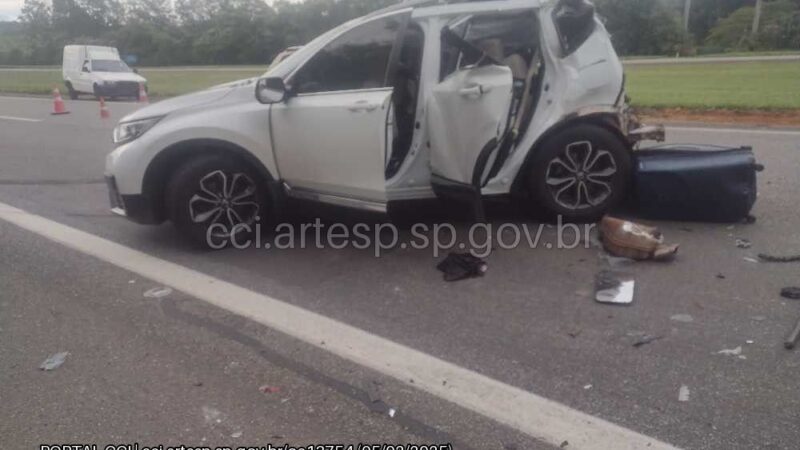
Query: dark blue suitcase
(695,182)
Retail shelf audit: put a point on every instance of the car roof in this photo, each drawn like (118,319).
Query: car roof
(417,4)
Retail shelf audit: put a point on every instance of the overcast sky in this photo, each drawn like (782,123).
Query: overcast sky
(9,9)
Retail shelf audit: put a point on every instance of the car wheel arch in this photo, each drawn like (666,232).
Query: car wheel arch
(609,121)
(164,164)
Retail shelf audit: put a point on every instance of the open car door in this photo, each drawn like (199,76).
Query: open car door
(468,120)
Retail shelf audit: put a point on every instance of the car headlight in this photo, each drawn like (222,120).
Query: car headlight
(128,131)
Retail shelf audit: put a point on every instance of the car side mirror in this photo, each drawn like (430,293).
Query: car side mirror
(86,69)
(270,90)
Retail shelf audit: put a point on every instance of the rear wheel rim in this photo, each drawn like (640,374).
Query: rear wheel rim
(581,176)
(228,200)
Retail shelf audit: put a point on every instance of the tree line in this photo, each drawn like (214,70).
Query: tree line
(184,32)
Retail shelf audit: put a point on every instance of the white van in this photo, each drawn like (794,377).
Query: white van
(91,69)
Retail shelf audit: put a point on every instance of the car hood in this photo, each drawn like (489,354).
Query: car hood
(191,101)
(119,76)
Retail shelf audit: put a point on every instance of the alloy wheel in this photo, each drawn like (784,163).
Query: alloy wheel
(226,199)
(581,176)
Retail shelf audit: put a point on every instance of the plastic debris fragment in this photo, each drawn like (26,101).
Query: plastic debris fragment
(731,352)
(54,361)
(685,318)
(159,292)
(611,288)
(683,394)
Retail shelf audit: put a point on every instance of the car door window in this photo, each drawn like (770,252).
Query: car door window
(356,60)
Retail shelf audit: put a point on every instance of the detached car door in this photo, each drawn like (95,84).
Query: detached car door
(330,136)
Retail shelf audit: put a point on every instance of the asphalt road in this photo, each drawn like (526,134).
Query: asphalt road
(178,370)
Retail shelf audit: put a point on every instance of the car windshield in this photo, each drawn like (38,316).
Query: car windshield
(109,65)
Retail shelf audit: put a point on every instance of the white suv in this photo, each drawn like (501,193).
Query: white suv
(459,100)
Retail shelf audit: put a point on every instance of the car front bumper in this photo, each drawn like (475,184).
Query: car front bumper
(136,208)
(118,89)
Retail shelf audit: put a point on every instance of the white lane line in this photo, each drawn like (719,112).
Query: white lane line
(19,119)
(529,413)
(736,130)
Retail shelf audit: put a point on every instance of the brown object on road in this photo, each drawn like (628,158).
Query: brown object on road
(633,240)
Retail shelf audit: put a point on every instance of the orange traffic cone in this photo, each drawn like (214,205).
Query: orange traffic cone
(58,103)
(143,94)
(104,114)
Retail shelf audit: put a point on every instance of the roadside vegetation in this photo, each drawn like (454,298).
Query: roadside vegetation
(738,86)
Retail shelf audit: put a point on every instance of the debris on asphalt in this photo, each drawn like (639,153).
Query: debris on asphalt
(793,337)
(611,288)
(750,260)
(616,261)
(460,266)
(587,387)
(211,415)
(269,389)
(731,352)
(54,361)
(685,318)
(158,292)
(749,342)
(759,318)
(236,434)
(564,444)
(632,240)
(743,243)
(792,293)
(380,407)
(721,276)
(646,339)
(683,394)
(778,259)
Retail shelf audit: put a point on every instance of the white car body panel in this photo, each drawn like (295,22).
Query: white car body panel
(327,155)
(465,111)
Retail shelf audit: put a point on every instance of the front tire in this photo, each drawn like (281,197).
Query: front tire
(215,200)
(581,173)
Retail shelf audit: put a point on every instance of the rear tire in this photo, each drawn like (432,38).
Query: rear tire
(580,173)
(216,200)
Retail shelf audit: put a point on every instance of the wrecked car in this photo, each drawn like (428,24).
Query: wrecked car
(456,100)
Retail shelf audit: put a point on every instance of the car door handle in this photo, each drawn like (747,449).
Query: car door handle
(473,91)
(362,106)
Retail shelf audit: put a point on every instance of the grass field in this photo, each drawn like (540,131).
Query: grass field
(741,85)
(161,83)
(737,86)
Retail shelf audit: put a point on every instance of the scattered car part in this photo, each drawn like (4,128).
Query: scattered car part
(793,337)
(778,259)
(158,292)
(743,243)
(460,266)
(611,288)
(633,240)
(647,133)
(646,339)
(695,182)
(792,293)
(683,394)
(54,361)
